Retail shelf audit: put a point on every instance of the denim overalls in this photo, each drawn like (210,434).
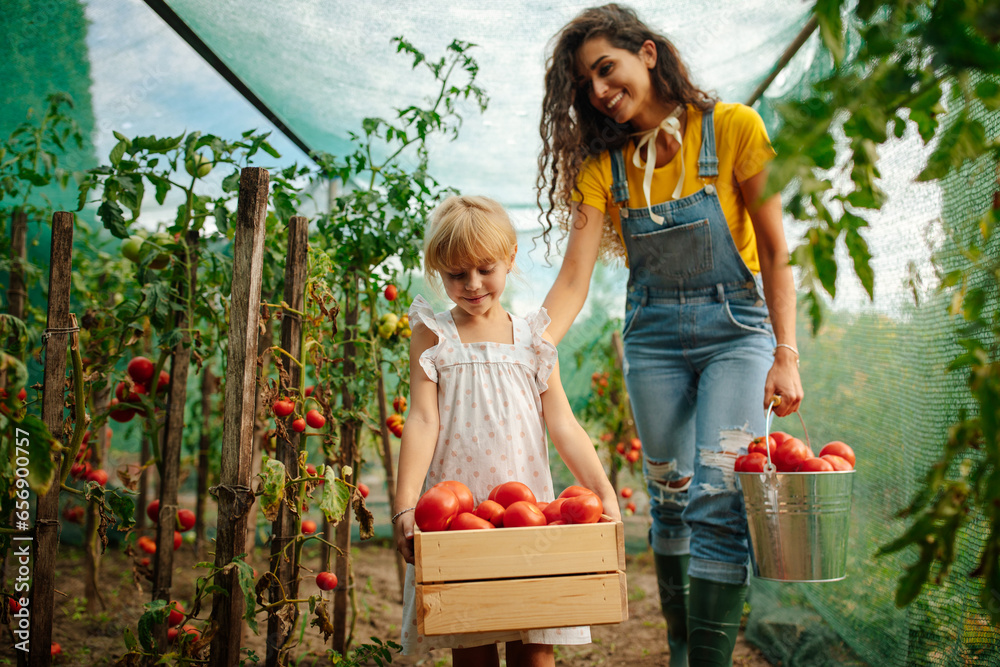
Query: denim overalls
(698,346)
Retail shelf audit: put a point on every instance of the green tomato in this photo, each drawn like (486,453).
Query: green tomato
(386,330)
(390,319)
(162,258)
(132,249)
(198,166)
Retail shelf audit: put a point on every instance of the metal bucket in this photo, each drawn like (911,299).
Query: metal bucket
(798,521)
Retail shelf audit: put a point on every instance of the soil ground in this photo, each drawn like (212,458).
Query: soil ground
(93,640)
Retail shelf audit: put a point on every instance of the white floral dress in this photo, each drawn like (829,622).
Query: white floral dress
(492,431)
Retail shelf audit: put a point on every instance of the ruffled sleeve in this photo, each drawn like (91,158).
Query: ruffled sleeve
(421,311)
(546,355)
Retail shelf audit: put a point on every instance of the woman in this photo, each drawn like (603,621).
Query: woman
(638,162)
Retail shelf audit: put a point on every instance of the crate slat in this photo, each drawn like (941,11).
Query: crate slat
(520,604)
(519,552)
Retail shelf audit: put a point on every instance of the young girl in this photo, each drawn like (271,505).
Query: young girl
(638,161)
(484,385)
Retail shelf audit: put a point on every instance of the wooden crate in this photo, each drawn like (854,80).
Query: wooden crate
(520,578)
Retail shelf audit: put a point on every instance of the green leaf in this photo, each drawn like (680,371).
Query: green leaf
(273,474)
(823,244)
(162,186)
(989,93)
(964,140)
(130,642)
(857,247)
(111,215)
(231,183)
(221,215)
(914,579)
(117,152)
(831,28)
(156,613)
(32,440)
(124,508)
(244,576)
(336,496)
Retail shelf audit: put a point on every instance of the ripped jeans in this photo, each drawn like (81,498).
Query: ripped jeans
(695,373)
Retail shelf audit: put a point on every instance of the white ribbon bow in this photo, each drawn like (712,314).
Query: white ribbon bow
(672,127)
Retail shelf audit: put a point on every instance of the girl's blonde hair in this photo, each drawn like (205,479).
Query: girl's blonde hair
(467,231)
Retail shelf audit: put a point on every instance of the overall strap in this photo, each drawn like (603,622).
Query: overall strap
(708,161)
(619,182)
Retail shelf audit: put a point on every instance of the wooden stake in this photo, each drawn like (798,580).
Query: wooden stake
(234,492)
(53,399)
(204,444)
(284,558)
(390,475)
(348,456)
(180,362)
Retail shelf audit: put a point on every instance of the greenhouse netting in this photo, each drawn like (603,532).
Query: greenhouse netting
(875,375)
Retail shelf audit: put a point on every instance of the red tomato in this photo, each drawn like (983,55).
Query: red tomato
(466,503)
(837,462)
(172,634)
(391,292)
(814,465)
(633,455)
(163,381)
(635,444)
(630,507)
(491,511)
(153,511)
(190,631)
(553,511)
(176,613)
(309,391)
(308,527)
(572,491)
(753,462)
(523,513)
(185,519)
(436,509)
(399,404)
(363,489)
(469,521)
(146,544)
(582,509)
(22,395)
(627,492)
(542,506)
(283,407)
(558,522)
(509,493)
(620,448)
(311,470)
(177,540)
(55,649)
(133,396)
(121,416)
(99,476)
(758,445)
(13,605)
(315,418)
(790,454)
(299,425)
(326,581)
(779,437)
(144,562)
(141,370)
(838,448)
(738,466)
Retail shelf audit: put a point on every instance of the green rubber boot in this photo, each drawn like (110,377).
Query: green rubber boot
(671,575)
(714,612)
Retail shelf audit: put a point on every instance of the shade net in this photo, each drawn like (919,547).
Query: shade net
(875,375)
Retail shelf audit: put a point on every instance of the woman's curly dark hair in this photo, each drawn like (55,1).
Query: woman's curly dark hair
(572,129)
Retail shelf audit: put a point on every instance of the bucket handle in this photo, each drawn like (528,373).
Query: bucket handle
(770,468)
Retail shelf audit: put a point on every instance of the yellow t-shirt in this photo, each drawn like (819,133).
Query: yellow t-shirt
(743,148)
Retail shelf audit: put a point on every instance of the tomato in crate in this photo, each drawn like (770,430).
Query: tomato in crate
(520,578)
